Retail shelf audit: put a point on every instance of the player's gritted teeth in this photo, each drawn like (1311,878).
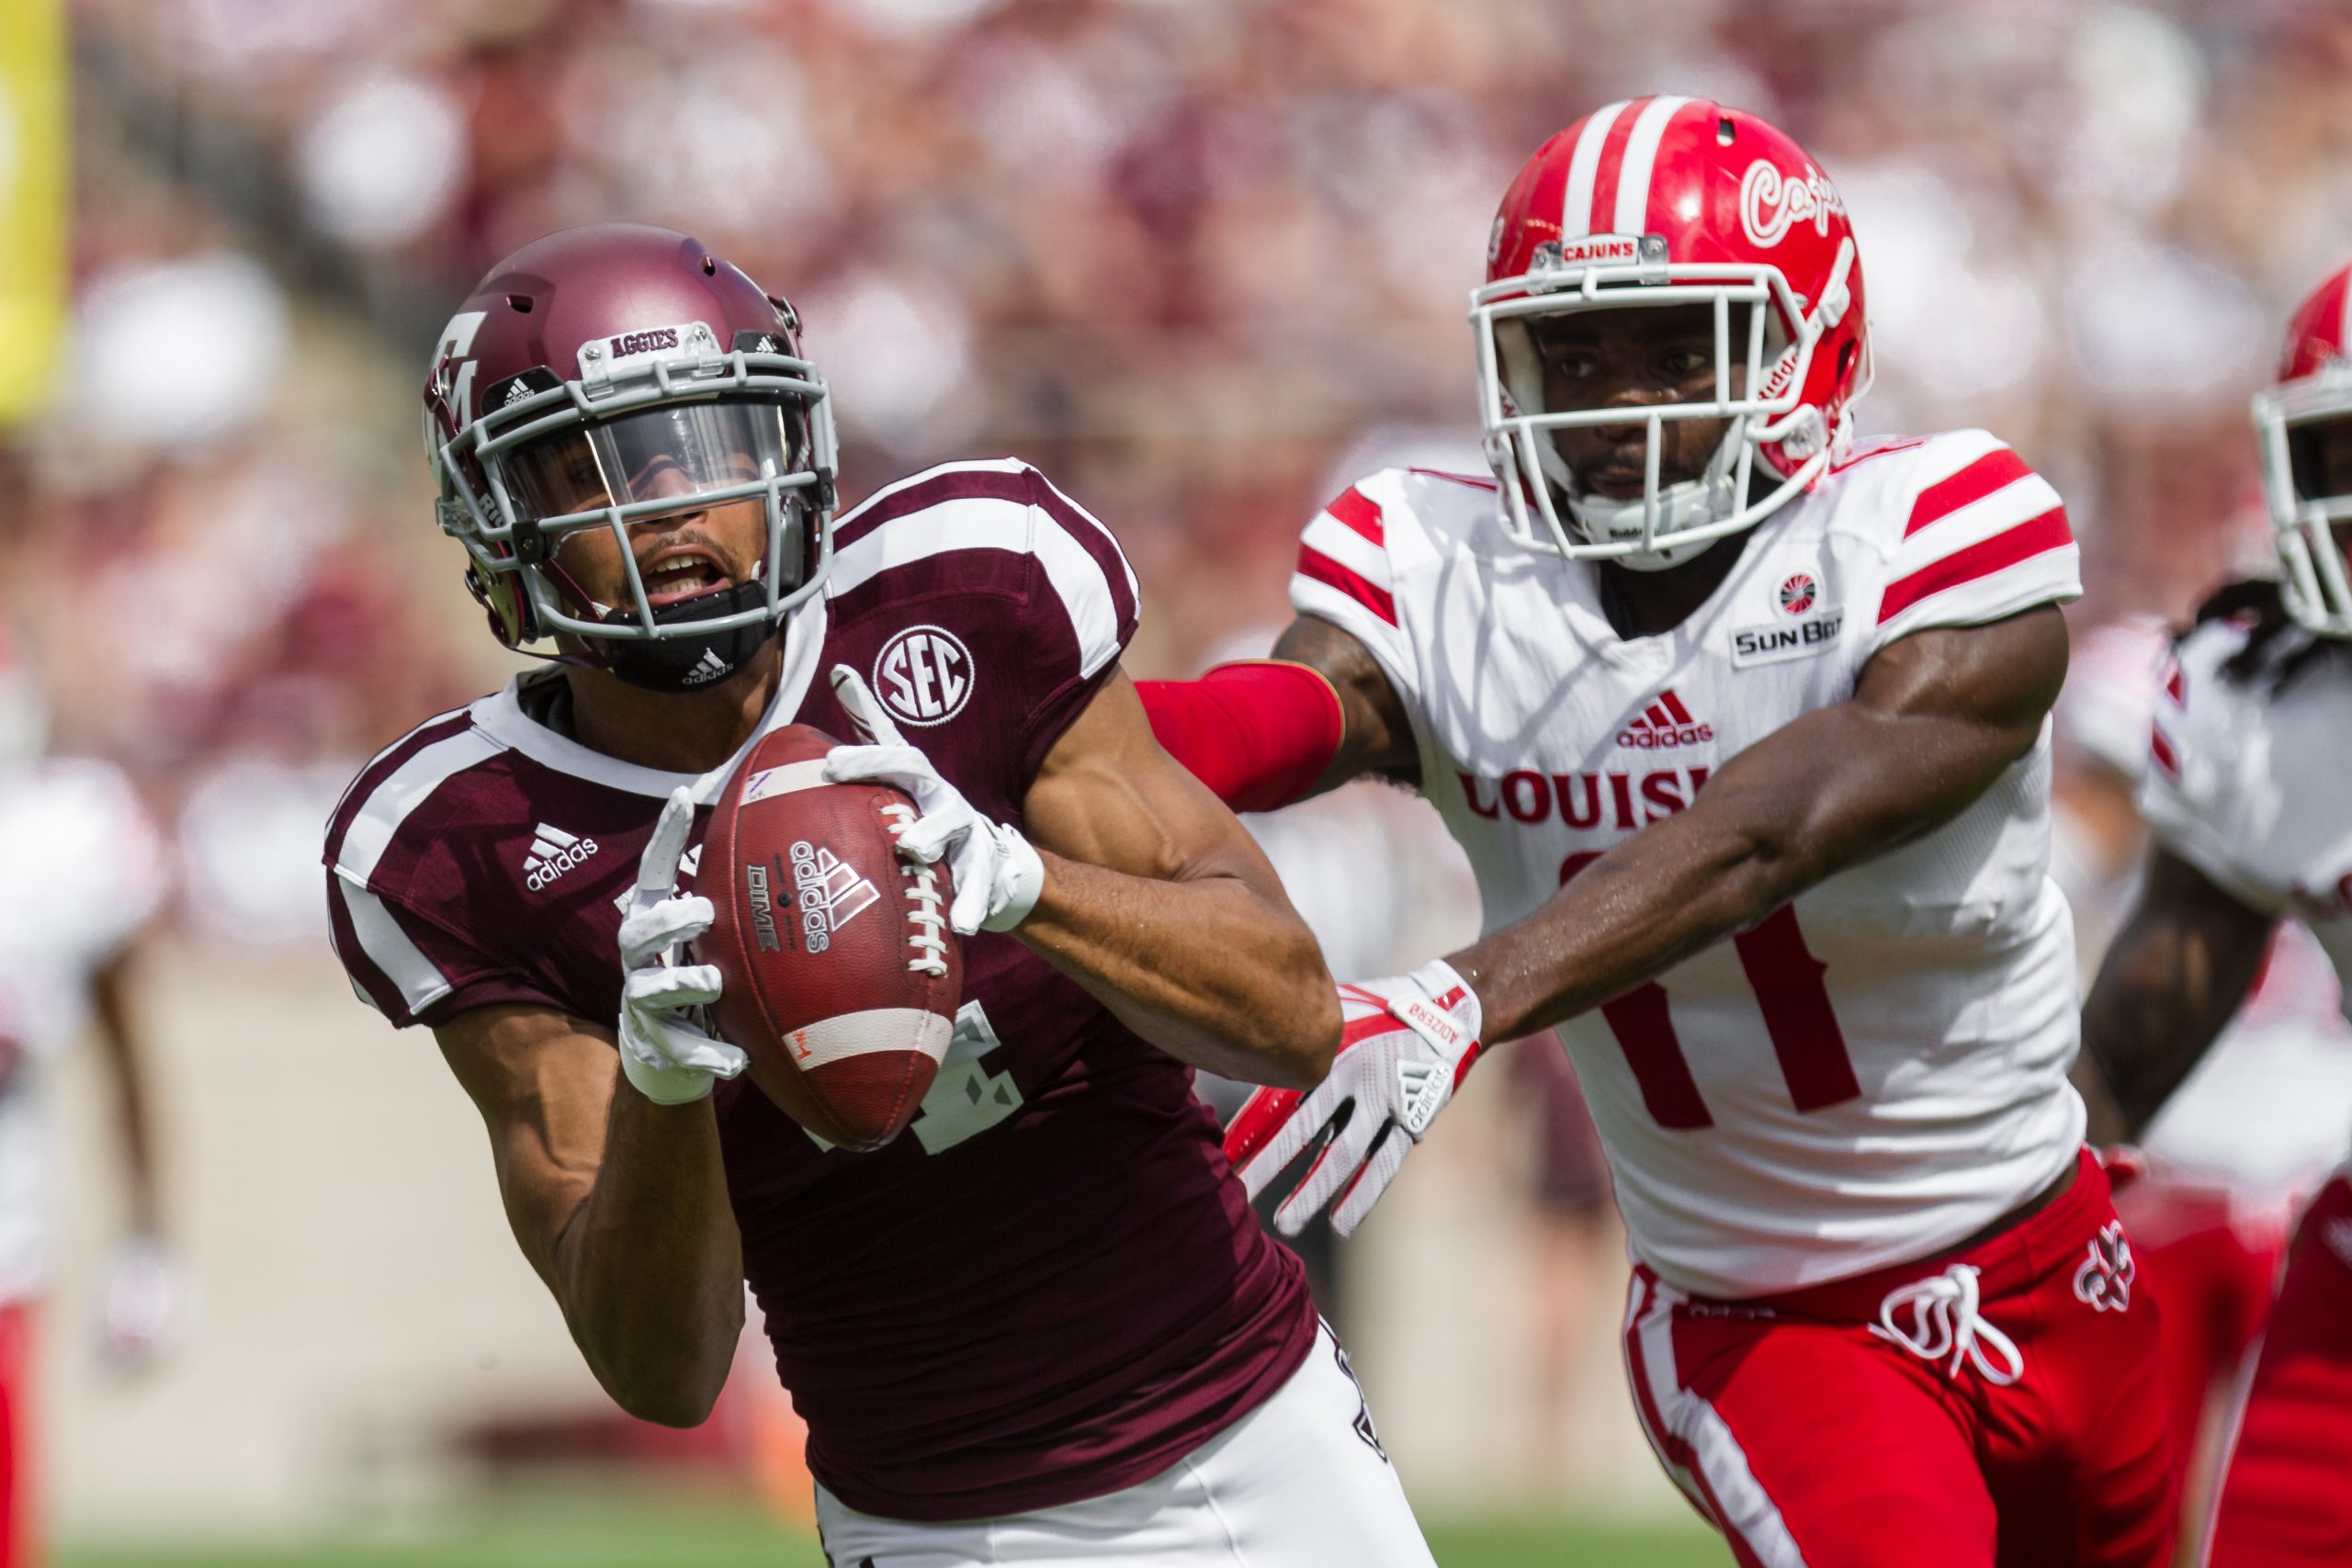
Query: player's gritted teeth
(681,571)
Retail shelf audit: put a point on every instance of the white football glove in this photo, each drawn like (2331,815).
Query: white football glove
(669,1059)
(143,1305)
(997,872)
(1405,1043)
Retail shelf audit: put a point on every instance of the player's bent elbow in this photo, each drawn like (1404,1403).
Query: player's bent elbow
(1301,1055)
(679,1397)
(671,1408)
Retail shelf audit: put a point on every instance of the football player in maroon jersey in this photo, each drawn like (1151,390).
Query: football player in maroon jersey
(1045,1306)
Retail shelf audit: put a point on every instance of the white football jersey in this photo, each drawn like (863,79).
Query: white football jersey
(2247,779)
(2268,1110)
(1876,1070)
(81,870)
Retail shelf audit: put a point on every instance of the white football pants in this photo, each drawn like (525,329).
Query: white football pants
(1297,1482)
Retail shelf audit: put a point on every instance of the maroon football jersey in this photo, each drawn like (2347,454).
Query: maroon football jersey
(1049,1286)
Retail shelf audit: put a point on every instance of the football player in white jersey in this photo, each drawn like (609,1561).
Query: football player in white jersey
(1745,728)
(2246,797)
(83,873)
(2242,1146)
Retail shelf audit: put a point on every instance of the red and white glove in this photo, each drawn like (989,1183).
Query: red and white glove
(1405,1044)
(997,873)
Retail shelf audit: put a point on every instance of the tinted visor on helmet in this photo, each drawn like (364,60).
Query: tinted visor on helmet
(2319,455)
(682,452)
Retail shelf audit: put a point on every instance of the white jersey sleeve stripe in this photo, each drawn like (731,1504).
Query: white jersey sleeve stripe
(2021,501)
(1311,596)
(388,948)
(405,789)
(1640,154)
(1334,540)
(1584,167)
(2033,563)
(1127,568)
(1002,524)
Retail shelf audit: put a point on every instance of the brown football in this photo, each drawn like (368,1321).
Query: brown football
(841,974)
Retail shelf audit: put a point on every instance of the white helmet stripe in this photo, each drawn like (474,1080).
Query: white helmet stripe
(1576,209)
(1634,174)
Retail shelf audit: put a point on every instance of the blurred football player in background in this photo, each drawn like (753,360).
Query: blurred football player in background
(2253,828)
(2241,1147)
(82,873)
(1744,727)
(1041,1325)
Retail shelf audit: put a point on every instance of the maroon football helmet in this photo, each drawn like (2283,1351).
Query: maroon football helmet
(606,376)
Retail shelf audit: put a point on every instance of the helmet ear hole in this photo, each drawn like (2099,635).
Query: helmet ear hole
(711,266)
(519,303)
(1846,351)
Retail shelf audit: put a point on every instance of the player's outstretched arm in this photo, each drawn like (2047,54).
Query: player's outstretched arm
(2177,972)
(1266,733)
(618,1203)
(1935,719)
(1157,900)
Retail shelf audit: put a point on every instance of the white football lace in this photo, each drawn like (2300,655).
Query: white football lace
(1944,1317)
(931,948)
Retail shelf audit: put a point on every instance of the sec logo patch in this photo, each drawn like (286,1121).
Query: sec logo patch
(923,675)
(1797,594)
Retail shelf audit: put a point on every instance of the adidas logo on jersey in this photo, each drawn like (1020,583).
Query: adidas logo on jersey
(708,667)
(553,853)
(1665,723)
(831,893)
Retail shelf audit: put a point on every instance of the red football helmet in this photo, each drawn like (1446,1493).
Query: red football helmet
(2304,422)
(604,376)
(1667,201)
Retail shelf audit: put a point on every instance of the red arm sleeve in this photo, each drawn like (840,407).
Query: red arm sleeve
(1258,733)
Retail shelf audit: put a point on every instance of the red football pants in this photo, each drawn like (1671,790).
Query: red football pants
(15,1436)
(2216,1267)
(2287,1495)
(1924,1415)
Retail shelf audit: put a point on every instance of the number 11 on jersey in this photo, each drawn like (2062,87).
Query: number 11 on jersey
(1792,996)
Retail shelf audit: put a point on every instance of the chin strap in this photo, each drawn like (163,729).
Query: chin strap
(689,663)
(1691,504)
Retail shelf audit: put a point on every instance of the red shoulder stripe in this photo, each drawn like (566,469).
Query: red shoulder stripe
(1995,471)
(2035,537)
(1360,513)
(1314,563)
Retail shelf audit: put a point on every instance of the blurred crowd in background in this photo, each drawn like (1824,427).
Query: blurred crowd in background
(1199,260)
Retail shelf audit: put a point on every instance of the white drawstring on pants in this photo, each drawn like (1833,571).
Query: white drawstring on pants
(1944,1318)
